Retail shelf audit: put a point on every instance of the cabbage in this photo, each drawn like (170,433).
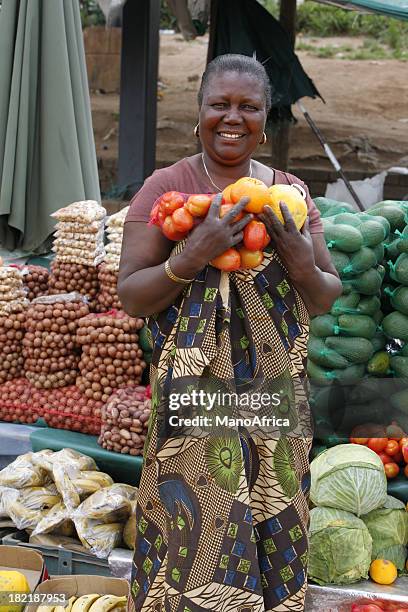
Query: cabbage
(339,547)
(348,477)
(388,528)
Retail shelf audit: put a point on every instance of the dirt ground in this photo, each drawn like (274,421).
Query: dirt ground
(364,118)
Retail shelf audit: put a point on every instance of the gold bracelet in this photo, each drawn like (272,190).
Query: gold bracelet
(173,277)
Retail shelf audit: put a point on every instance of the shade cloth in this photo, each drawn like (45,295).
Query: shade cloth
(47,149)
(392,8)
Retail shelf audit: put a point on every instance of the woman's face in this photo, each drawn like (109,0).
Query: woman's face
(232,117)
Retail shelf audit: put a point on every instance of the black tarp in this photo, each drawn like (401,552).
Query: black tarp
(245,26)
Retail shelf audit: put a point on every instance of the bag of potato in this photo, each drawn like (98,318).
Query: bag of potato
(109,505)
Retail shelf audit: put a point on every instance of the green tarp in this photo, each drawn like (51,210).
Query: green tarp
(47,149)
(392,8)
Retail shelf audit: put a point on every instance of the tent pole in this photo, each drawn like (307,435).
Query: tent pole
(281,135)
(138,93)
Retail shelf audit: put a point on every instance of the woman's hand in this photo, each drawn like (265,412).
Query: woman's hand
(214,235)
(294,247)
(306,259)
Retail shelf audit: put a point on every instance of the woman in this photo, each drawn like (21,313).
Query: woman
(222,517)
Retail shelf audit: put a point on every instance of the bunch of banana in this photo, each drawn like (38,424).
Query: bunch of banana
(90,603)
(39,498)
(111,504)
(52,520)
(24,518)
(90,481)
(65,486)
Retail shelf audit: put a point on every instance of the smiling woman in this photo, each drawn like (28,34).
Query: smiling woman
(222,517)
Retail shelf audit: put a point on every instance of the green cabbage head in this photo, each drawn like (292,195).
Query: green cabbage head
(388,527)
(339,547)
(348,477)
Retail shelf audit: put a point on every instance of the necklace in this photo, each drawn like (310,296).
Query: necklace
(209,176)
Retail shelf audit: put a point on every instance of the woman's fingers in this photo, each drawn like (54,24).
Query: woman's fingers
(305,228)
(231,214)
(290,225)
(239,225)
(214,210)
(237,238)
(273,225)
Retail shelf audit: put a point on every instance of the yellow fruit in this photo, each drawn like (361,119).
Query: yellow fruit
(383,571)
(226,194)
(293,199)
(254,189)
(14,582)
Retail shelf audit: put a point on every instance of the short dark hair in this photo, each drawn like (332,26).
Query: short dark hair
(243,64)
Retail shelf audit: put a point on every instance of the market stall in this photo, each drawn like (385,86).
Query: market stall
(75,399)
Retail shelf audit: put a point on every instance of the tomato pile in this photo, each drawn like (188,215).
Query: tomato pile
(176,215)
(392,448)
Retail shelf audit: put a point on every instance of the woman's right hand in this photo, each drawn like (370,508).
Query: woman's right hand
(214,235)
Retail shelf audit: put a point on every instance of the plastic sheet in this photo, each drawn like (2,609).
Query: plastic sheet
(340,599)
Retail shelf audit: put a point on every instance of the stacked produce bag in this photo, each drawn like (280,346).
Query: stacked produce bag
(12,305)
(13,297)
(35,279)
(354,521)
(107,297)
(64,493)
(124,421)
(111,357)
(114,230)
(79,249)
(50,352)
(347,343)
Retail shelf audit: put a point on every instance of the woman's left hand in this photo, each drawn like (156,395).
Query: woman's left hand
(294,247)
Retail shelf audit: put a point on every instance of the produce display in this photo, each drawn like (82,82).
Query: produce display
(66,277)
(356,529)
(11,348)
(94,602)
(111,357)
(12,294)
(114,231)
(107,297)
(63,492)
(79,236)
(176,214)
(124,421)
(50,352)
(35,279)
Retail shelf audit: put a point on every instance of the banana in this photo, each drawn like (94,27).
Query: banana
(67,608)
(107,602)
(104,479)
(82,604)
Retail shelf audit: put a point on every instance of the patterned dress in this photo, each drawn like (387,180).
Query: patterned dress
(222,517)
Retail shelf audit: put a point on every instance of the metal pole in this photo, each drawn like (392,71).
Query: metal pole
(333,159)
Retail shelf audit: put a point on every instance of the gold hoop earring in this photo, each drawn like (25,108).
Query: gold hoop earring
(263,139)
(197,130)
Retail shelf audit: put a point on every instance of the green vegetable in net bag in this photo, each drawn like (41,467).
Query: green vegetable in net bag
(340,546)
(388,527)
(348,477)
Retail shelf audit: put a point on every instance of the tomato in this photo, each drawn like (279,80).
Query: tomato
(385,458)
(392,447)
(406,471)
(198,205)
(366,608)
(170,230)
(267,240)
(250,259)
(254,235)
(182,219)
(228,261)
(171,201)
(362,441)
(224,208)
(377,444)
(403,441)
(404,450)
(391,470)
(398,458)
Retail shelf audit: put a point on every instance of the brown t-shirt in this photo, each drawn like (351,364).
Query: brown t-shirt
(183,176)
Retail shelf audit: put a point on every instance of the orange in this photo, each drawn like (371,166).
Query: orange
(294,201)
(226,194)
(383,571)
(254,189)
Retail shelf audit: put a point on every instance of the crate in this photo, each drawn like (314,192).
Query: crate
(60,561)
(6,531)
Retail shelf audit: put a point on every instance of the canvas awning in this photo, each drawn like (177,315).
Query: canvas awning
(47,150)
(392,8)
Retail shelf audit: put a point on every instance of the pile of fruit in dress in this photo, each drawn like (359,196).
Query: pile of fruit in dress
(176,214)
